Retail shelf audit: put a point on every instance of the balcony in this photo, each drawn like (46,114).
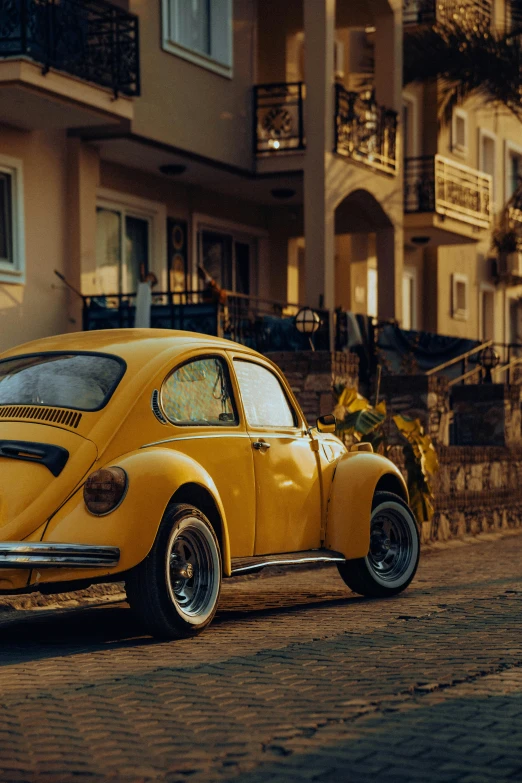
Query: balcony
(279,117)
(364,131)
(86,51)
(446,196)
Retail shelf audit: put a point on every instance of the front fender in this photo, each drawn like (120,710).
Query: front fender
(154,475)
(350,502)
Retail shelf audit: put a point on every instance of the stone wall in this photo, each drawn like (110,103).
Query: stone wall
(313,374)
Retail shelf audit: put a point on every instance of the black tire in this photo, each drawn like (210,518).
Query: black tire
(175,590)
(394,552)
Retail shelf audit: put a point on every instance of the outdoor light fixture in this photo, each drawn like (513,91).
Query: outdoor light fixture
(420,240)
(173,169)
(307,321)
(282,192)
(488,359)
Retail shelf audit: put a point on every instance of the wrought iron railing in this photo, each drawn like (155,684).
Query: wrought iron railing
(433,183)
(262,324)
(365,131)
(90,39)
(278,111)
(464,12)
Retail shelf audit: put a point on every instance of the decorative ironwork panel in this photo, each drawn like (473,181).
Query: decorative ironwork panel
(438,184)
(419,184)
(365,131)
(91,39)
(279,117)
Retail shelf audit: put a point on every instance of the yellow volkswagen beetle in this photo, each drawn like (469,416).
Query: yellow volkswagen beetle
(170,460)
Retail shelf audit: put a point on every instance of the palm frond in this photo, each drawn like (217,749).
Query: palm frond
(466,61)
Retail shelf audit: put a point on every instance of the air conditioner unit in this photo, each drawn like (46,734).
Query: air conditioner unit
(510,264)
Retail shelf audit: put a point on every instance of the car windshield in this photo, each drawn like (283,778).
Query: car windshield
(80,381)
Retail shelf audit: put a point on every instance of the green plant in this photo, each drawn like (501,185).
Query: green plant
(506,241)
(358,420)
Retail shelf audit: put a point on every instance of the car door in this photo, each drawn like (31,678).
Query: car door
(288,491)
(198,400)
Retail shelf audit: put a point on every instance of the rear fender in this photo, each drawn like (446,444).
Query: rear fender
(154,476)
(358,476)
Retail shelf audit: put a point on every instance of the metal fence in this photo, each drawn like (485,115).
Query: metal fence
(90,39)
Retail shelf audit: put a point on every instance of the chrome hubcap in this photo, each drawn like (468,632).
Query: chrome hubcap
(391,543)
(192,570)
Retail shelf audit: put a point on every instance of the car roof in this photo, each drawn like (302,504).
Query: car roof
(135,346)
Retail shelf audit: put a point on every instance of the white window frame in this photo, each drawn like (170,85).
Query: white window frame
(239,232)
(509,148)
(456,148)
(155,213)
(410,273)
(460,314)
(15,272)
(413,104)
(197,58)
(484,133)
(489,289)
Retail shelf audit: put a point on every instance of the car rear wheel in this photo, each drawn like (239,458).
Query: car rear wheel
(175,590)
(392,560)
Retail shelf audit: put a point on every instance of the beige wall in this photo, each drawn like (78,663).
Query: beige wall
(189,106)
(39,307)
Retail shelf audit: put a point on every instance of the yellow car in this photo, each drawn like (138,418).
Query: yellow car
(171,460)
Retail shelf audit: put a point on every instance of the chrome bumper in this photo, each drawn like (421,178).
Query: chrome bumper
(27,554)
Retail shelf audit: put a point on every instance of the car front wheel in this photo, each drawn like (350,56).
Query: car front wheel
(393,557)
(175,590)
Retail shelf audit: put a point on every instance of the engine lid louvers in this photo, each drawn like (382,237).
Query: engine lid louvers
(67,418)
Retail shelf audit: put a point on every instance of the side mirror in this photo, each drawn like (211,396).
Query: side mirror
(326,423)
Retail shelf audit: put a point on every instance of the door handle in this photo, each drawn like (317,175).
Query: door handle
(261,445)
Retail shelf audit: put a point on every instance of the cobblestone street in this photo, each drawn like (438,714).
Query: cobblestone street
(297,679)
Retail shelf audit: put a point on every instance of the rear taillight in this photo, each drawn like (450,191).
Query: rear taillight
(104,490)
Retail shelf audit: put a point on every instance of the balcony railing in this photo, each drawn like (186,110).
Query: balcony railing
(365,131)
(437,184)
(464,12)
(262,324)
(90,39)
(279,117)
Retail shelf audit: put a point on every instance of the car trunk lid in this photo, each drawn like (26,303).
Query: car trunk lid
(40,465)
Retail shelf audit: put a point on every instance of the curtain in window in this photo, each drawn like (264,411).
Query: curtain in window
(108,251)
(193,24)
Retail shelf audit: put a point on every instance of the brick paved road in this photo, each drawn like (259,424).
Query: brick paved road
(297,680)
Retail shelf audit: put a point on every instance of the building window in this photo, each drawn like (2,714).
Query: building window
(130,242)
(487,156)
(200,31)
(409,299)
(459,132)
(513,168)
(228,258)
(12,255)
(460,286)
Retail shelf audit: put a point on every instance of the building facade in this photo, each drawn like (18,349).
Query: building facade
(159,135)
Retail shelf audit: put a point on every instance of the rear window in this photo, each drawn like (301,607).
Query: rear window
(75,380)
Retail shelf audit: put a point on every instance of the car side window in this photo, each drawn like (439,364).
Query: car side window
(263,397)
(199,393)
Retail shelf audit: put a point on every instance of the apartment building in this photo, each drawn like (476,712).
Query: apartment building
(156,135)
(458,178)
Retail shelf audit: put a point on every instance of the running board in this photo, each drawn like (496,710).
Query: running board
(249,565)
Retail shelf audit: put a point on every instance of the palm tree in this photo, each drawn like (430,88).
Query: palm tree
(468,58)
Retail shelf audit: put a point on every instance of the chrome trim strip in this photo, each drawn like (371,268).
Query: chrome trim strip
(38,554)
(245,569)
(256,434)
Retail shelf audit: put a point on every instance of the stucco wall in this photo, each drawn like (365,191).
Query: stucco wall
(38,307)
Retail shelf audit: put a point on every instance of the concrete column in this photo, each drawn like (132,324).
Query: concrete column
(388,59)
(319,228)
(390,252)
(82,181)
